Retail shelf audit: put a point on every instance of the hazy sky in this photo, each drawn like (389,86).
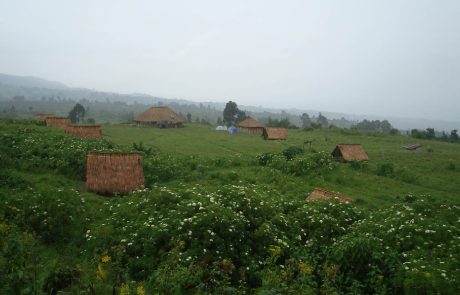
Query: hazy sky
(386,57)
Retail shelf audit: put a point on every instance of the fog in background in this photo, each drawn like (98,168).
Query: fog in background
(396,58)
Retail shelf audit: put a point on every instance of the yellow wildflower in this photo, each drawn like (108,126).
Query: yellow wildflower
(305,267)
(105,259)
(181,245)
(427,275)
(101,274)
(274,250)
(140,290)
(124,289)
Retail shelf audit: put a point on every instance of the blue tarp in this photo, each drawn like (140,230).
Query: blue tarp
(232,130)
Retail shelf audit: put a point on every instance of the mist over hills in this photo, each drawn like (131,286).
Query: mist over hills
(33,88)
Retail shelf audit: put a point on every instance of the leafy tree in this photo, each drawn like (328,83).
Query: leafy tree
(394,131)
(232,114)
(429,133)
(306,121)
(283,123)
(322,120)
(385,126)
(454,135)
(444,136)
(77,113)
(416,133)
(219,121)
(189,117)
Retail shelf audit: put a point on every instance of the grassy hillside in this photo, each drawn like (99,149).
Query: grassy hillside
(433,170)
(225,214)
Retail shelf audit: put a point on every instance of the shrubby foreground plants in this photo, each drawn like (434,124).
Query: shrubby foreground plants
(236,238)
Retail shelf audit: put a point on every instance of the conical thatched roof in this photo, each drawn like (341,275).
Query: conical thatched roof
(350,152)
(274,133)
(250,123)
(159,114)
(323,194)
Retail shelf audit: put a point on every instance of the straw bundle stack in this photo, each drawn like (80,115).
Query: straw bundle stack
(108,173)
(61,122)
(84,131)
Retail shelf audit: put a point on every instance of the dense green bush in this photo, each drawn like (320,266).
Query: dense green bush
(312,163)
(230,239)
(292,152)
(31,149)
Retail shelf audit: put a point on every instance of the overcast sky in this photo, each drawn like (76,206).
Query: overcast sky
(386,57)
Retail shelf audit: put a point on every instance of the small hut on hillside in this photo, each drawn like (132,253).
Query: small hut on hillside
(349,152)
(251,125)
(160,117)
(84,131)
(42,117)
(413,147)
(54,121)
(323,194)
(274,133)
(111,172)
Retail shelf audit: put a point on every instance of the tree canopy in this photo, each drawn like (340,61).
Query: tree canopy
(77,113)
(232,115)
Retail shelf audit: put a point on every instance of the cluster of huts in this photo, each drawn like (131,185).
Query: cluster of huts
(252,126)
(78,130)
(106,173)
(114,172)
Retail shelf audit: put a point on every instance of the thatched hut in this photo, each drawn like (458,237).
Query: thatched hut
(274,133)
(160,117)
(412,147)
(84,131)
(54,121)
(251,125)
(108,173)
(42,116)
(349,152)
(323,194)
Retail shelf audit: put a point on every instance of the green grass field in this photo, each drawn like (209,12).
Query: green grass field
(427,169)
(215,219)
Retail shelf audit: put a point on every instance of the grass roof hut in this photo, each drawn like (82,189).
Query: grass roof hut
(42,116)
(84,131)
(274,133)
(323,194)
(251,125)
(112,172)
(350,152)
(54,121)
(160,117)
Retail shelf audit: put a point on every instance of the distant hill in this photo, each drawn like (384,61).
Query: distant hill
(31,82)
(33,88)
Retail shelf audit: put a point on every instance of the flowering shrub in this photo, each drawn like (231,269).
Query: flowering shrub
(35,150)
(245,238)
(313,163)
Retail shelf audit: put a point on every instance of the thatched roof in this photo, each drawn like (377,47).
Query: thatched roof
(112,172)
(250,123)
(159,114)
(413,146)
(350,152)
(323,194)
(274,133)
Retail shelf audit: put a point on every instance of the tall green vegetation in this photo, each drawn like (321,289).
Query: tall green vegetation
(243,234)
